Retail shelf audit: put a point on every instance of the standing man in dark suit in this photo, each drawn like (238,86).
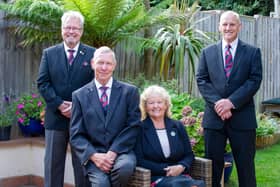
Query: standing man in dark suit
(104,124)
(64,68)
(228,77)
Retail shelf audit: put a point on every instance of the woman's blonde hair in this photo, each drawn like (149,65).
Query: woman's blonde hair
(158,91)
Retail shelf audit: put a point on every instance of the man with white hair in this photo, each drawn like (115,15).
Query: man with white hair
(228,77)
(64,68)
(104,124)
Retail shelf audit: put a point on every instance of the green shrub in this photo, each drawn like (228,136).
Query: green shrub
(141,82)
(266,125)
(7,116)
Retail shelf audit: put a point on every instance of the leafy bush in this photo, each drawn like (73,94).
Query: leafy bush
(189,111)
(248,7)
(141,82)
(7,115)
(179,101)
(266,125)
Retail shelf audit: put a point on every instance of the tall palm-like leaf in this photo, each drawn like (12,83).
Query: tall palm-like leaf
(36,21)
(106,22)
(178,41)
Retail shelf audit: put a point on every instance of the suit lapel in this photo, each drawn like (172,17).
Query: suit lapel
(171,134)
(238,56)
(78,60)
(152,137)
(61,59)
(220,61)
(95,103)
(116,93)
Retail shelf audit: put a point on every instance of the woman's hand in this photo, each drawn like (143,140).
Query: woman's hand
(174,170)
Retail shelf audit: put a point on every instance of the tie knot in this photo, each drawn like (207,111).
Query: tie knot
(103,88)
(71,51)
(228,46)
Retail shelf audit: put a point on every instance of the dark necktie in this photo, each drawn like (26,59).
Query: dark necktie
(104,96)
(70,56)
(228,61)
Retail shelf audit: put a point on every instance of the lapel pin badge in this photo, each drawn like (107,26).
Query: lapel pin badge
(82,52)
(85,63)
(172,133)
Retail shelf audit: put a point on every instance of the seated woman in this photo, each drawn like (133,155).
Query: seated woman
(163,145)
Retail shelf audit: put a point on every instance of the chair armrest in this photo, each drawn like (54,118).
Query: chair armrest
(202,169)
(140,178)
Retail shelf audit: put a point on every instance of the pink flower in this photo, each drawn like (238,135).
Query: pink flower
(200,131)
(188,120)
(200,115)
(20,120)
(186,110)
(34,95)
(39,103)
(20,106)
(193,142)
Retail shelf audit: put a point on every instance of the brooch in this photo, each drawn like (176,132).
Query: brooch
(82,52)
(172,133)
(85,63)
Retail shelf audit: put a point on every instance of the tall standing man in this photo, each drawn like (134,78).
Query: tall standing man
(64,68)
(228,76)
(104,124)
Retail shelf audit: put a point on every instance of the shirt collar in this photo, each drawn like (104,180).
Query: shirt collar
(232,44)
(108,84)
(75,48)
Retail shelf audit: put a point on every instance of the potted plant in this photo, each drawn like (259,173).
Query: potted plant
(6,119)
(28,110)
(267,131)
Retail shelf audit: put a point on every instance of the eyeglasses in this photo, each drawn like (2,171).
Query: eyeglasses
(75,29)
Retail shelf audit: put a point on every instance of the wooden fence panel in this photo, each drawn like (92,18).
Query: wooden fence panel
(269,40)
(19,67)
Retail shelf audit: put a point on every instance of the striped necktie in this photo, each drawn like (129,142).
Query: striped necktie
(71,56)
(104,97)
(228,61)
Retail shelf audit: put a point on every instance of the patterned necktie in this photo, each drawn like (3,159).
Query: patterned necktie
(228,61)
(104,97)
(71,56)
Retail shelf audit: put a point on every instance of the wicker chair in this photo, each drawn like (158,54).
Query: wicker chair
(201,169)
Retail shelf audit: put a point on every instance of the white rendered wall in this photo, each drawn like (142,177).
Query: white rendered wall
(28,159)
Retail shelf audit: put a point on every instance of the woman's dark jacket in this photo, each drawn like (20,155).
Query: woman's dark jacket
(148,149)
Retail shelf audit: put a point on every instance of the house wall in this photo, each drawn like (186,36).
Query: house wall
(25,157)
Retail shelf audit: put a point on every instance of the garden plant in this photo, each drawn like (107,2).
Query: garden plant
(29,106)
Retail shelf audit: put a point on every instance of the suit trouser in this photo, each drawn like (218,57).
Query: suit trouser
(243,145)
(118,177)
(55,156)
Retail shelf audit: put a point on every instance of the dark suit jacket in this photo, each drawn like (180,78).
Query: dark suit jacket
(57,80)
(93,132)
(148,149)
(240,87)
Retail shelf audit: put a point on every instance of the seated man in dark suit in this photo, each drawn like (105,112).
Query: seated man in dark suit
(105,123)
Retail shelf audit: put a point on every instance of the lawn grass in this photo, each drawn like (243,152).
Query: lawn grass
(267,164)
